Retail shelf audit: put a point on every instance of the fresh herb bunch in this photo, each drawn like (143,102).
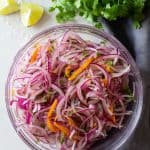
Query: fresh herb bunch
(92,10)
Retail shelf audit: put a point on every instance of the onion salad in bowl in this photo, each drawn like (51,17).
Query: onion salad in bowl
(68,91)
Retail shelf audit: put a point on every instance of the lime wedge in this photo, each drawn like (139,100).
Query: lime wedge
(8,7)
(30,13)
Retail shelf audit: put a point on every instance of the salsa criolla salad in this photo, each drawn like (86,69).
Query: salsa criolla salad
(70,92)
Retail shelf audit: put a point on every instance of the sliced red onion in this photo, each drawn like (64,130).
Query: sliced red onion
(105,106)
(57,89)
(122,72)
(72,134)
(100,127)
(28,117)
(74,145)
(82,143)
(107,76)
(23,103)
(59,109)
(91,134)
(13,101)
(125,113)
(86,99)
(36,108)
(79,91)
(91,106)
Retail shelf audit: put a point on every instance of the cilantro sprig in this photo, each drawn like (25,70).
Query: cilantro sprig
(92,10)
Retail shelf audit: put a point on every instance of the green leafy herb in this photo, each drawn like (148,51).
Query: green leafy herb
(92,10)
(85,53)
(70,113)
(110,63)
(129,92)
(62,138)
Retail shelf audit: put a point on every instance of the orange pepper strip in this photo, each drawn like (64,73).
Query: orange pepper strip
(113,118)
(108,68)
(50,112)
(34,55)
(85,64)
(62,128)
(51,126)
(67,71)
(71,122)
(104,81)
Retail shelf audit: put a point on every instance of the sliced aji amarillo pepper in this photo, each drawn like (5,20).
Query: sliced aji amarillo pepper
(51,126)
(108,68)
(113,118)
(83,66)
(49,122)
(68,71)
(62,128)
(104,81)
(34,55)
(71,122)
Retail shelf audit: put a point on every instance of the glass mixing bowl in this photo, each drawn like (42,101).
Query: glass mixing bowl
(116,138)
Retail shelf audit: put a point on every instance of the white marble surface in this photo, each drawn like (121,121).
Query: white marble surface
(13,35)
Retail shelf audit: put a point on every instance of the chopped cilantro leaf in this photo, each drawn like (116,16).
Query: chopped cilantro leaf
(92,10)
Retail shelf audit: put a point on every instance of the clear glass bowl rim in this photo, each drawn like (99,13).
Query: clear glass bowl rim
(89,29)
